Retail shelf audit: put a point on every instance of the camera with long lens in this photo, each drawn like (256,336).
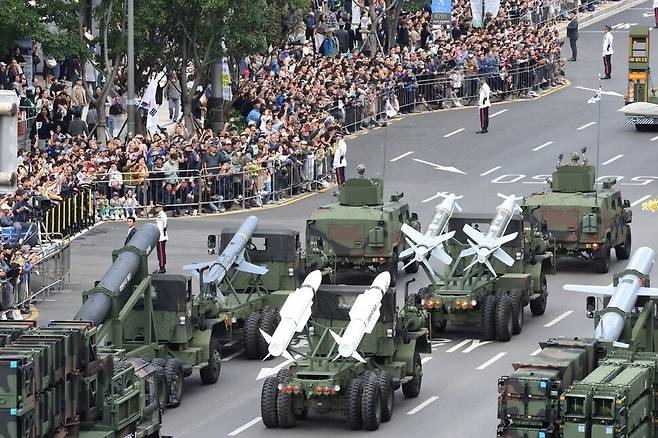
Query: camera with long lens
(39,205)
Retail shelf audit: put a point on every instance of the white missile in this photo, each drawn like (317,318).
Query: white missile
(431,242)
(363,317)
(295,313)
(623,296)
(489,244)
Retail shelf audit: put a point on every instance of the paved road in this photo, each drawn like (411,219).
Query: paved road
(459,389)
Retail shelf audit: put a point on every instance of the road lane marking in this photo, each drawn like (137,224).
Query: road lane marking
(499,113)
(492,360)
(423,405)
(425,360)
(431,198)
(559,318)
(233,356)
(536,352)
(458,346)
(586,125)
(440,167)
(399,157)
(639,201)
(654,138)
(493,169)
(245,427)
(476,343)
(538,148)
(612,159)
(456,131)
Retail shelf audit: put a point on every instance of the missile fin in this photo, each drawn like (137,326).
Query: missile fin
(198,266)
(287,355)
(474,234)
(266,357)
(475,260)
(250,268)
(469,251)
(265,336)
(488,263)
(411,233)
(409,251)
(428,267)
(337,338)
(440,254)
(501,255)
(358,357)
(508,238)
(587,289)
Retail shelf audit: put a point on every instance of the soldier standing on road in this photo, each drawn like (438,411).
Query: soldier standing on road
(161,222)
(607,52)
(572,34)
(339,158)
(483,104)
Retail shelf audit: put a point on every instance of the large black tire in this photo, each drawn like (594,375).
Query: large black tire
(411,389)
(538,305)
(174,378)
(353,408)
(159,365)
(371,403)
(393,268)
(285,414)
(517,311)
(268,405)
(387,395)
(159,362)
(412,268)
(250,335)
(488,315)
(504,323)
(623,251)
(210,373)
(602,265)
(268,322)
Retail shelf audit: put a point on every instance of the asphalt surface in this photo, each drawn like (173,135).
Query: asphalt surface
(458,397)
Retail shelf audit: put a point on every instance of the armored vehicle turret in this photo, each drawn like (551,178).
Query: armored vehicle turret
(584,220)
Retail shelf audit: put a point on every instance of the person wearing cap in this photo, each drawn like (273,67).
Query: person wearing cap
(340,160)
(484,103)
(607,52)
(161,223)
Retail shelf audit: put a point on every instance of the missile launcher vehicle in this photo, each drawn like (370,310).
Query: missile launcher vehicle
(360,232)
(583,220)
(596,387)
(361,349)
(490,276)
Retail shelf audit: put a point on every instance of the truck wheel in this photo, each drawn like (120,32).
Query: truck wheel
(371,403)
(159,365)
(393,268)
(489,318)
(412,268)
(268,405)
(603,264)
(439,326)
(517,311)
(623,251)
(504,323)
(353,409)
(268,323)
(538,305)
(159,362)
(284,411)
(250,335)
(210,373)
(411,389)
(174,378)
(387,396)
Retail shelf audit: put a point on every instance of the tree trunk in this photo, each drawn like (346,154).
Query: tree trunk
(101,133)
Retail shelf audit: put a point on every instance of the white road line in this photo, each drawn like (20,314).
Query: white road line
(425,360)
(536,352)
(245,427)
(233,356)
(559,318)
(458,346)
(639,201)
(399,157)
(492,360)
(612,159)
(538,148)
(456,131)
(476,343)
(586,125)
(423,405)
(499,113)
(654,138)
(493,169)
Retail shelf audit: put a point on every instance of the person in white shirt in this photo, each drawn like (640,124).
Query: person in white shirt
(607,51)
(339,158)
(484,103)
(161,222)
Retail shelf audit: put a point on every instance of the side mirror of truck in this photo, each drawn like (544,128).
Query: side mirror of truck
(212,244)
(591,306)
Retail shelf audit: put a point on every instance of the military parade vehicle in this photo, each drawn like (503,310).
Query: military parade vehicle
(361,232)
(600,386)
(489,277)
(361,348)
(583,220)
(641,101)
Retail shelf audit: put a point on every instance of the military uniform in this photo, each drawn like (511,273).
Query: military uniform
(161,223)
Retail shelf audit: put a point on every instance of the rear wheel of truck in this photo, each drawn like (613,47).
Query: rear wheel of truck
(623,251)
(517,311)
(538,305)
(353,408)
(210,373)
(159,365)
(250,335)
(602,265)
(371,403)
(393,267)
(268,405)
(411,389)
(488,314)
(268,322)
(504,323)
(174,378)
(284,410)
(387,395)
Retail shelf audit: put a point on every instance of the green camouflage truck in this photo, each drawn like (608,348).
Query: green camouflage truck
(583,221)
(360,232)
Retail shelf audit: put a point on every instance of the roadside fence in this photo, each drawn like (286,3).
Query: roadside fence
(63,219)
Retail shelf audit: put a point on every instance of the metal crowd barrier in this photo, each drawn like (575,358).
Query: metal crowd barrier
(73,214)
(25,123)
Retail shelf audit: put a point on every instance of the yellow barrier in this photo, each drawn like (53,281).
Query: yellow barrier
(71,215)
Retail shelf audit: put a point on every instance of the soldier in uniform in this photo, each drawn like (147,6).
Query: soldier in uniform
(484,103)
(161,222)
